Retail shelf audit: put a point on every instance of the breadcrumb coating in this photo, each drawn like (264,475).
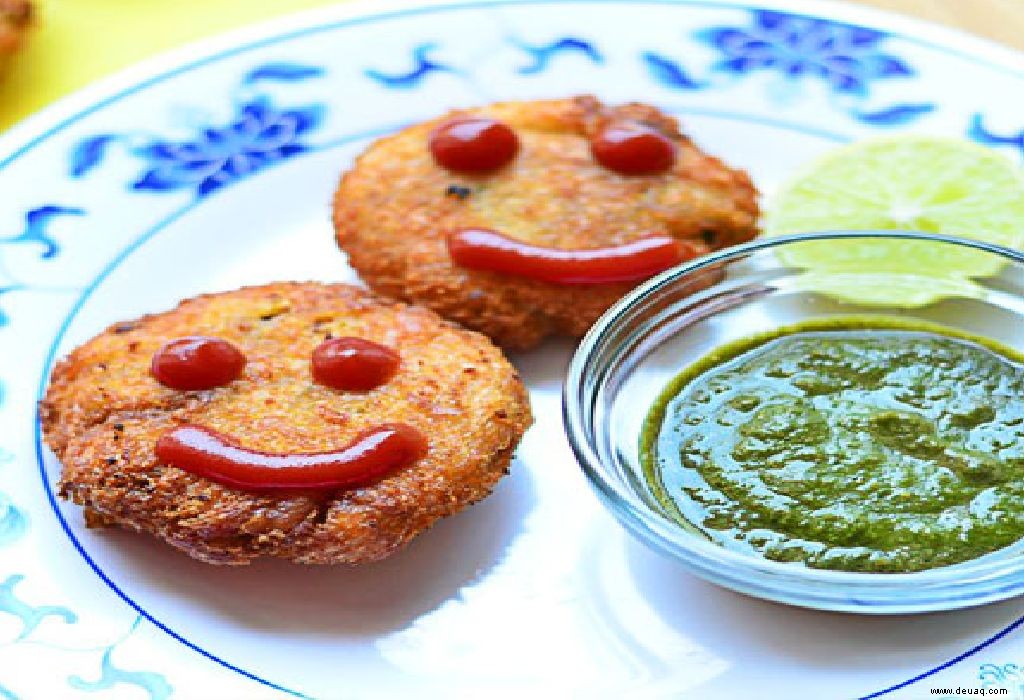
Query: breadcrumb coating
(103,414)
(394,208)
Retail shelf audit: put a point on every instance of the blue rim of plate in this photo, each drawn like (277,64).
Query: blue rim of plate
(358,20)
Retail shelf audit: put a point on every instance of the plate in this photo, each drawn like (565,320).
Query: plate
(213,168)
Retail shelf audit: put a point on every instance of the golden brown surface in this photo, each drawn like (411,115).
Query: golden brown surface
(15,20)
(103,413)
(391,214)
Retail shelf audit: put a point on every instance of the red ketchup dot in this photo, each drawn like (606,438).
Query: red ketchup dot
(473,144)
(197,362)
(353,364)
(633,149)
(482,249)
(373,454)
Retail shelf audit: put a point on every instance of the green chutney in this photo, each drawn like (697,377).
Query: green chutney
(851,443)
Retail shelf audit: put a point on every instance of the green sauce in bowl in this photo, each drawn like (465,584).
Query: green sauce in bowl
(853,443)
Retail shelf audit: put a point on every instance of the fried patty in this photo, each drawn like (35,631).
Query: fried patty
(104,412)
(15,20)
(393,210)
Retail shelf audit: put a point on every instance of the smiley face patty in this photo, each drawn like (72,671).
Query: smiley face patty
(15,22)
(104,413)
(395,209)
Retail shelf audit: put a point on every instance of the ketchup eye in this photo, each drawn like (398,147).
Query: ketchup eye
(473,144)
(197,362)
(353,364)
(633,149)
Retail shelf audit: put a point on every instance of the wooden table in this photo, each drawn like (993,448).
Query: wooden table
(1001,20)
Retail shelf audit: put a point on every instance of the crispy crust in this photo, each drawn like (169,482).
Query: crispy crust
(15,21)
(391,214)
(103,413)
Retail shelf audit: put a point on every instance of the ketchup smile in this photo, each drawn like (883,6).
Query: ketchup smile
(353,364)
(482,249)
(633,149)
(374,453)
(473,144)
(197,362)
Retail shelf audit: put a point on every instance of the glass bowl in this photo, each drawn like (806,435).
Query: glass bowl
(669,322)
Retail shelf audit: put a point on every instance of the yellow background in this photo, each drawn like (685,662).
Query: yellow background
(77,41)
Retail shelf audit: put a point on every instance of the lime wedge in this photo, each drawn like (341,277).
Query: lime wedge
(914,183)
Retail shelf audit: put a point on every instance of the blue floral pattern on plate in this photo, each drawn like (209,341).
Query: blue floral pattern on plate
(423,65)
(980,133)
(13,521)
(845,57)
(282,72)
(155,685)
(1002,676)
(31,616)
(260,135)
(543,54)
(36,229)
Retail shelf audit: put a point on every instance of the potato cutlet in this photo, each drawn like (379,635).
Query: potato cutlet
(15,22)
(572,177)
(270,386)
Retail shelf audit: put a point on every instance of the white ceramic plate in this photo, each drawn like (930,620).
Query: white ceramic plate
(213,168)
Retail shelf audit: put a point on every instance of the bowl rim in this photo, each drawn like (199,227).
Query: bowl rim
(654,527)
